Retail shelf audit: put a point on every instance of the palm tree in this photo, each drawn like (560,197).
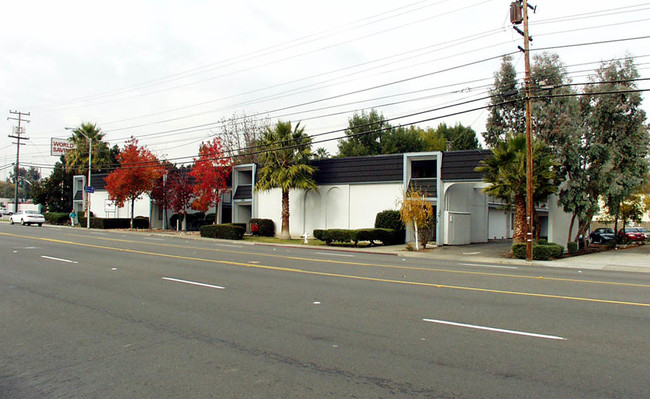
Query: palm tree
(77,159)
(505,171)
(285,165)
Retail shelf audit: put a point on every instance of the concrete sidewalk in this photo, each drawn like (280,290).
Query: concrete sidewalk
(634,259)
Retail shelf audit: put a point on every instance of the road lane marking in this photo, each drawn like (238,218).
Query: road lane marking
(331,254)
(316,273)
(342,262)
(500,330)
(58,259)
(491,266)
(194,283)
(229,245)
(471,253)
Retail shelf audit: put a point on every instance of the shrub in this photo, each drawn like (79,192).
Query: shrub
(342,235)
(572,247)
(263,227)
(242,225)
(57,217)
(224,231)
(322,235)
(139,222)
(386,236)
(540,252)
(390,219)
(519,251)
(210,218)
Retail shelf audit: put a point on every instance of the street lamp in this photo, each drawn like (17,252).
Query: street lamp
(90,160)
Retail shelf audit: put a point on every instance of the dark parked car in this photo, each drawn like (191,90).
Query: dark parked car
(601,235)
(631,234)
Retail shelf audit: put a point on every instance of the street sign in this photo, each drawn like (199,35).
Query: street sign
(90,189)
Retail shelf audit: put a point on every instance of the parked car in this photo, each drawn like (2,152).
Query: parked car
(644,231)
(631,234)
(5,211)
(27,217)
(601,235)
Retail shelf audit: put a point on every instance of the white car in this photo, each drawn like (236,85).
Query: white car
(27,217)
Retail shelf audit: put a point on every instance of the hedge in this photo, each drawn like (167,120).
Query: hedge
(386,236)
(194,220)
(540,251)
(262,227)
(226,231)
(391,219)
(57,217)
(140,222)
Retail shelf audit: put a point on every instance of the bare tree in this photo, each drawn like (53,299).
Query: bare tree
(239,135)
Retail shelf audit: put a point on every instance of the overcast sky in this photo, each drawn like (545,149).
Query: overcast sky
(167,72)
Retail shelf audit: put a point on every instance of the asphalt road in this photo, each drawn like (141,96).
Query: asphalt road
(94,314)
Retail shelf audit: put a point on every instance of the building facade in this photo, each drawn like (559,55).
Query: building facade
(351,191)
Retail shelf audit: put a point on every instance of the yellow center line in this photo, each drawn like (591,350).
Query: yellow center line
(336,275)
(396,267)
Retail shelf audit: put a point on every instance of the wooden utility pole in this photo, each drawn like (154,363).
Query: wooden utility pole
(18,131)
(529,143)
(519,14)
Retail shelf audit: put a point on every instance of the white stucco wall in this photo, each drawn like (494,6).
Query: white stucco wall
(97,201)
(336,206)
(559,222)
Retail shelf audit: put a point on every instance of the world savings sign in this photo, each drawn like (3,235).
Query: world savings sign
(59,147)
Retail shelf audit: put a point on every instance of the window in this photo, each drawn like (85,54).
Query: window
(424,169)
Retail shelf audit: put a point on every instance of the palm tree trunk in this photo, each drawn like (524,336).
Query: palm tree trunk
(519,235)
(284,234)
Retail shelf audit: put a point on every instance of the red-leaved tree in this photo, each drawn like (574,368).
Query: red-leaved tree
(138,171)
(181,192)
(210,173)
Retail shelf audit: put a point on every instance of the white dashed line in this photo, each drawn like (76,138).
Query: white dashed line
(194,283)
(500,330)
(58,259)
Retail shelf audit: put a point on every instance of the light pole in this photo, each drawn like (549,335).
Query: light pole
(90,161)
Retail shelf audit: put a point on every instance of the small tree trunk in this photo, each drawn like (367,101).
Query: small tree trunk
(417,241)
(568,240)
(284,233)
(132,207)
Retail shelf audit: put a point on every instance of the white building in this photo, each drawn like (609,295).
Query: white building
(351,191)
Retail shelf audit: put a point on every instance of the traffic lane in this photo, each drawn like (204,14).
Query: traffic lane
(496,283)
(88,351)
(277,321)
(232,250)
(452,363)
(165,311)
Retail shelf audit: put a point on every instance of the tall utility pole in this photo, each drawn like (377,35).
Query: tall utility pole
(519,14)
(18,131)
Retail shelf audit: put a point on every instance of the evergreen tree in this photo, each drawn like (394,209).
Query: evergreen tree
(363,134)
(507,111)
(617,129)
